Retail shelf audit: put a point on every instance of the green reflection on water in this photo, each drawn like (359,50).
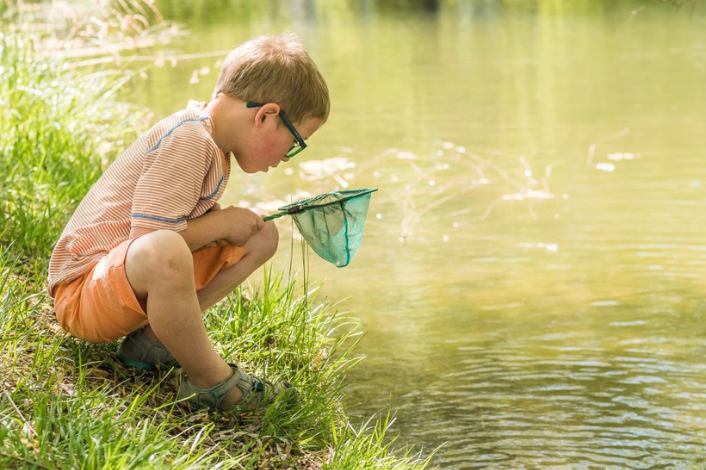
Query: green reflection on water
(532,271)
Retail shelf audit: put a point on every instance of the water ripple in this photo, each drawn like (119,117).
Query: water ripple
(533,406)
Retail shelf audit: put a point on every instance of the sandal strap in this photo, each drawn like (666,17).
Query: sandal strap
(255,390)
(137,350)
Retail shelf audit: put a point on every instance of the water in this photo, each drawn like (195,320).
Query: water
(531,280)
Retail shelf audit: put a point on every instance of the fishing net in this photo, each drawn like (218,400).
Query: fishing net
(332,223)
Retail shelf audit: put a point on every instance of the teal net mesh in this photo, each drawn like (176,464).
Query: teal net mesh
(332,223)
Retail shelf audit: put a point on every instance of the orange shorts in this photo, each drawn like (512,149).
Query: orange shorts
(101,306)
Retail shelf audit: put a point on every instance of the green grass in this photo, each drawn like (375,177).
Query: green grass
(58,133)
(368,447)
(68,404)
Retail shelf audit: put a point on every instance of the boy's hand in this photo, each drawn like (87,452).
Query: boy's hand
(242,224)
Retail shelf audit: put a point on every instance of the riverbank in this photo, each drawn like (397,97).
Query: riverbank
(68,404)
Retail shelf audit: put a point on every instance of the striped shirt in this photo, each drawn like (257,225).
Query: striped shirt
(171,174)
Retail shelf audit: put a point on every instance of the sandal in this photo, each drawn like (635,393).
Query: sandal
(137,350)
(256,392)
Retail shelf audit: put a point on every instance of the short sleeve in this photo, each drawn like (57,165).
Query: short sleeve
(172,177)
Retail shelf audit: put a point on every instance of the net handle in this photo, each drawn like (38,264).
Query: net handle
(274,216)
(297,208)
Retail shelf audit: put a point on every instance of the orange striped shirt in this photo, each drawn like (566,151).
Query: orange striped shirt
(171,174)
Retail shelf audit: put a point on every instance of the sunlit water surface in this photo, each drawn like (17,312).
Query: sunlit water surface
(532,276)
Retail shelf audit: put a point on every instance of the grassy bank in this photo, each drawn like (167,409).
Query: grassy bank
(68,404)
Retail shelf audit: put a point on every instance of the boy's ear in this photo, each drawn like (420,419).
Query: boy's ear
(263,112)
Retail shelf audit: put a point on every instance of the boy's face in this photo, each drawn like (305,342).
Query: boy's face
(272,140)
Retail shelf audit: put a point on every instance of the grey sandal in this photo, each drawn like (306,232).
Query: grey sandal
(256,392)
(137,350)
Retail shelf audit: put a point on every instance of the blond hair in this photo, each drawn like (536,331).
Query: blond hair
(276,69)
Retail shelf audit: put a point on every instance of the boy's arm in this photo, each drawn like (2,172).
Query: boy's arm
(233,224)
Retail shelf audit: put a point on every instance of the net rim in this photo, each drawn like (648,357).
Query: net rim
(348,194)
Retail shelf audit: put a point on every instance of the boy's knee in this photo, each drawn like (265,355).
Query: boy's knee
(163,253)
(264,243)
(271,239)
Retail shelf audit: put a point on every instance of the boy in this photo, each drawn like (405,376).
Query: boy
(149,249)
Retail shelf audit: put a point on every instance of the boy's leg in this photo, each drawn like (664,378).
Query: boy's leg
(258,250)
(159,267)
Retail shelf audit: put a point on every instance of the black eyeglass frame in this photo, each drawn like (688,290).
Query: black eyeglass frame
(299,145)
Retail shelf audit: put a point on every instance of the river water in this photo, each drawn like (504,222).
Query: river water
(532,277)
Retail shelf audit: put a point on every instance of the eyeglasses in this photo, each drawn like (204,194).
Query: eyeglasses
(298,144)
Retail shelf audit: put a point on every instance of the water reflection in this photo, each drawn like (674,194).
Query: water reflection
(531,278)
(523,389)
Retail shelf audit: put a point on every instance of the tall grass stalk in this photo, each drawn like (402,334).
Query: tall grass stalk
(367,447)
